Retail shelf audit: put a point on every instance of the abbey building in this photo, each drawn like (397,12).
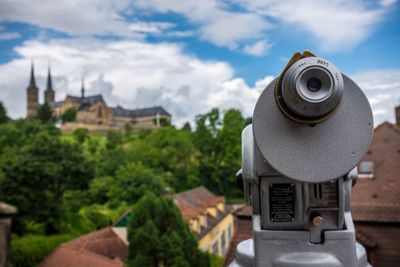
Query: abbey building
(92,112)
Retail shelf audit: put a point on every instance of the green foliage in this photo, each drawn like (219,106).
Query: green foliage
(114,139)
(110,160)
(215,260)
(99,188)
(163,121)
(187,127)
(81,134)
(3,114)
(77,183)
(171,152)
(98,215)
(219,144)
(158,236)
(29,250)
(69,115)
(132,181)
(45,113)
(38,173)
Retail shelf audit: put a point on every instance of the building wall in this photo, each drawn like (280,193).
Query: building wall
(58,111)
(97,114)
(213,239)
(49,96)
(137,123)
(386,253)
(32,102)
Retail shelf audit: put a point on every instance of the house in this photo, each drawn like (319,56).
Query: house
(207,215)
(376,196)
(243,231)
(106,248)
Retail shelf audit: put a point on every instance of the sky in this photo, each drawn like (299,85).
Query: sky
(191,56)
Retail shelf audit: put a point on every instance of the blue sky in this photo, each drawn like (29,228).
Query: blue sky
(191,56)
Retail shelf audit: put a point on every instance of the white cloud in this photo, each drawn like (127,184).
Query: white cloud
(88,18)
(150,27)
(138,74)
(130,73)
(336,25)
(216,21)
(382,87)
(4,36)
(258,48)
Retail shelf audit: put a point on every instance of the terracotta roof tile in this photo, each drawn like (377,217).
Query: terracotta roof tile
(102,248)
(196,201)
(378,199)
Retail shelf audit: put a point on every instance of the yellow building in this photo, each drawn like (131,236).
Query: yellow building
(208,217)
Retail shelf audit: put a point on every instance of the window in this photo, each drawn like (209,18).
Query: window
(215,247)
(230,232)
(366,170)
(223,245)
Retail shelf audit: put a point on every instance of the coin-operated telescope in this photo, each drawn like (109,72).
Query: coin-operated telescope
(311,127)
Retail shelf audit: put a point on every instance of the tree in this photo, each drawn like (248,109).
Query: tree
(132,181)
(169,151)
(3,114)
(45,113)
(38,173)
(187,127)
(114,139)
(229,158)
(219,145)
(81,134)
(158,236)
(69,115)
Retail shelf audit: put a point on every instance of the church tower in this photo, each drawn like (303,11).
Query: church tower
(32,96)
(49,93)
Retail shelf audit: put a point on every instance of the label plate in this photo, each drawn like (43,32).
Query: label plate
(282,199)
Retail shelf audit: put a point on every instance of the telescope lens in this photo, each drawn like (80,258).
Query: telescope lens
(314,84)
(311,88)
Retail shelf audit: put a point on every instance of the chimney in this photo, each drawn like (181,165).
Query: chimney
(397,114)
(6,212)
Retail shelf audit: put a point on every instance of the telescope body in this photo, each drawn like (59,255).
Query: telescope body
(311,127)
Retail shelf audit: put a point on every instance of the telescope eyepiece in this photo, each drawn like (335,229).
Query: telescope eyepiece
(312,88)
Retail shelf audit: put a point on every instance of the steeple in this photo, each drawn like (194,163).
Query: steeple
(83,89)
(32,82)
(49,81)
(49,94)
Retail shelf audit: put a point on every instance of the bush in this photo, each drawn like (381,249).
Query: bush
(69,115)
(30,250)
(215,260)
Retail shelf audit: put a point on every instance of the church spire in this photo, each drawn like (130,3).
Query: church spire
(32,82)
(49,94)
(49,81)
(83,89)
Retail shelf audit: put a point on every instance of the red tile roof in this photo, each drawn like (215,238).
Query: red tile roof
(102,248)
(194,202)
(378,199)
